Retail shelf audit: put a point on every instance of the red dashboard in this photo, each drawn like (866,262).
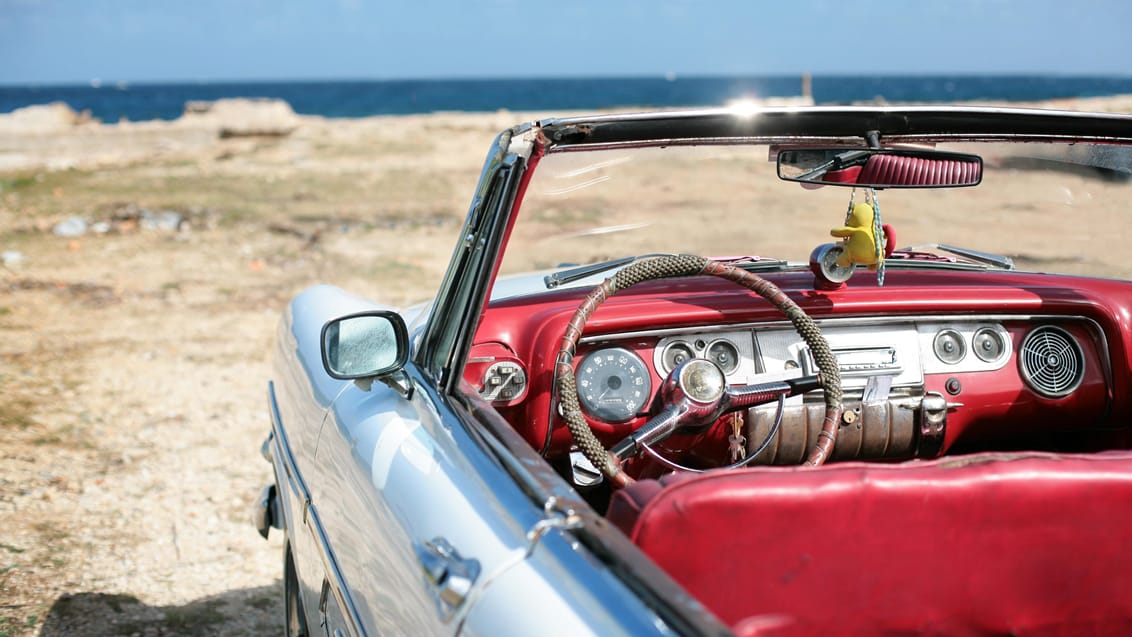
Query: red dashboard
(990,402)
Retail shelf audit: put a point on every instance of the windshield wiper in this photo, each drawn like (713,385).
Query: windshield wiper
(564,277)
(999,261)
(555,279)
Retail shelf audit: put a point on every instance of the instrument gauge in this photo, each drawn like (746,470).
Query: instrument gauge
(677,352)
(949,346)
(724,354)
(613,384)
(989,345)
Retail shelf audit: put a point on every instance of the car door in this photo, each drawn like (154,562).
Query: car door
(418,517)
(402,492)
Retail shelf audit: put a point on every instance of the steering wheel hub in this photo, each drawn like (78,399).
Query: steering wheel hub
(701,380)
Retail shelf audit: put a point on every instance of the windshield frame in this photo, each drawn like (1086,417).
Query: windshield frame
(828,126)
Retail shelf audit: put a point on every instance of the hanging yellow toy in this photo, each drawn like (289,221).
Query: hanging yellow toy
(862,244)
(865,240)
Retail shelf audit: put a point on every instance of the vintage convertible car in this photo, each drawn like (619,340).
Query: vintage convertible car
(837,370)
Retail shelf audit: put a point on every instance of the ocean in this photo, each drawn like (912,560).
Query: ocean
(111,102)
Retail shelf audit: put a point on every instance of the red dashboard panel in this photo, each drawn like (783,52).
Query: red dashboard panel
(990,405)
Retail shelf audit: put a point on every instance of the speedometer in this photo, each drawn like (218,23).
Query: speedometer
(613,384)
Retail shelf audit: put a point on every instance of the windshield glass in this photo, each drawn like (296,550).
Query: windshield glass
(1049,207)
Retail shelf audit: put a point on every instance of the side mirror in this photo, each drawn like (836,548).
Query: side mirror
(365,345)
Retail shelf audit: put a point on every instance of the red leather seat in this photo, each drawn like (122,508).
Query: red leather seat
(1003,544)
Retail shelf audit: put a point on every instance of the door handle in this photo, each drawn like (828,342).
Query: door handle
(450,577)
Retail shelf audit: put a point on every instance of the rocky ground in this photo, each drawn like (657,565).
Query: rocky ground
(144,269)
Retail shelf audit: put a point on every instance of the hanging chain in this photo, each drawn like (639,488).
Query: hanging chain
(878,233)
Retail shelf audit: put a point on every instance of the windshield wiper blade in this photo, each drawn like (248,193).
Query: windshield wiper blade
(556,279)
(996,260)
(750,264)
(757,264)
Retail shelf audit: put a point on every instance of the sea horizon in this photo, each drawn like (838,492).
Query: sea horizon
(671,76)
(114,100)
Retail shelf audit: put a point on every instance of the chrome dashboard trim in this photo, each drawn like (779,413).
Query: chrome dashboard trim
(869,360)
(834,322)
(1098,331)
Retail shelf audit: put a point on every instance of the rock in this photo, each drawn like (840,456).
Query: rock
(198,106)
(12,259)
(163,220)
(73,227)
(240,117)
(41,118)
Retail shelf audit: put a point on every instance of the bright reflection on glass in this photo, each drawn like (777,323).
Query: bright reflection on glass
(360,346)
(744,106)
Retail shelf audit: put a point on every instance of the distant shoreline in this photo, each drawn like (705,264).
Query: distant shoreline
(113,83)
(55,137)
(136,102)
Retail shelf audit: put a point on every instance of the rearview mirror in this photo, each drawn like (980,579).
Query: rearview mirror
(365,345)
(876,168)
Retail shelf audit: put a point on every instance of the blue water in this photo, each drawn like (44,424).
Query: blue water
(136,102)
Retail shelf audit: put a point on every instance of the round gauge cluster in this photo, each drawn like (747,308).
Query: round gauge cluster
(613,384)
(988,344)
(721,351)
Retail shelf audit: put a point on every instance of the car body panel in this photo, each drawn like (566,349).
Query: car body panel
(386,464)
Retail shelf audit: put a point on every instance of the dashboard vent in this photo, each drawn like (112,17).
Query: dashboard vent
(1051,361)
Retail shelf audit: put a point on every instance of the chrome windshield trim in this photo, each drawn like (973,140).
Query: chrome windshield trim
(699,113)
(890,122)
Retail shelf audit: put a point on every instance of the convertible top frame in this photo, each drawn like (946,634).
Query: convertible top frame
(906,123)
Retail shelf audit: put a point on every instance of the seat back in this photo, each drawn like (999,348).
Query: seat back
(982,544)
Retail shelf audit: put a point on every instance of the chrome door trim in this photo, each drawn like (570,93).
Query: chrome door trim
(294,479)
(311,518)
(337,582)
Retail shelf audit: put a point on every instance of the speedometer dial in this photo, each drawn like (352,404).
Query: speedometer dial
(613,384)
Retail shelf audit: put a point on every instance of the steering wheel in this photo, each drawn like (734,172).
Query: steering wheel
(695,393)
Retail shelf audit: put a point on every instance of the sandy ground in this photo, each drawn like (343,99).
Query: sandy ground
(133,363)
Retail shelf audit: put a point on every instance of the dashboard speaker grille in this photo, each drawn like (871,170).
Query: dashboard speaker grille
(1051,361)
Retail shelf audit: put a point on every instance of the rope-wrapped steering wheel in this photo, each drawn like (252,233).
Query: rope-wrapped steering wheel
(679,266)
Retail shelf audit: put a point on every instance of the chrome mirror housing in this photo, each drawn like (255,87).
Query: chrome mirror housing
(365,345)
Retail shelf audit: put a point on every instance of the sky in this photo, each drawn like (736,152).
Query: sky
(75,41)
